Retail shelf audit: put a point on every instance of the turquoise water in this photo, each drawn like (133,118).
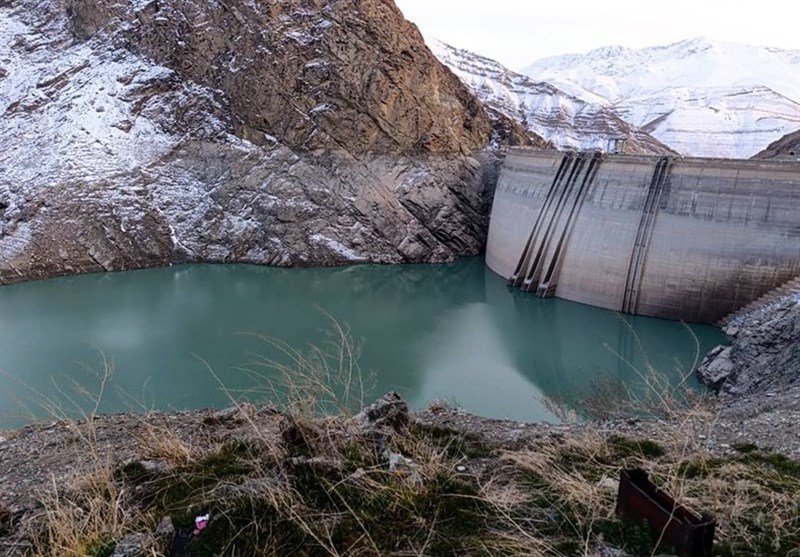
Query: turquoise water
(452,332)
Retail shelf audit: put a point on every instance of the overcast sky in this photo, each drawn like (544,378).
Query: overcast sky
(517,32)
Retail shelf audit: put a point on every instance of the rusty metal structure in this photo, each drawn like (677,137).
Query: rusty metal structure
(639,500)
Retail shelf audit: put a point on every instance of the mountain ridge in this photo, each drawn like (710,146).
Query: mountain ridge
(566,121)
(742,96)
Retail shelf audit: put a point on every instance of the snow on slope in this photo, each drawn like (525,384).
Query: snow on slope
(84,109)
(700,97)
(110,160)
(89,116)
(566,121)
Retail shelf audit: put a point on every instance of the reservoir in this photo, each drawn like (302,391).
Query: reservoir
(431,332)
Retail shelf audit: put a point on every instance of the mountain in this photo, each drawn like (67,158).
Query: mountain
(566,121)
(700,97)
(788,146)
(143,132)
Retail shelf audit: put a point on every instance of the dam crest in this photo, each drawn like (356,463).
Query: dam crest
(675,237)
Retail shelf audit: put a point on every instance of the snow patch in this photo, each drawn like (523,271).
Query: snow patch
(14,244)
(336,247)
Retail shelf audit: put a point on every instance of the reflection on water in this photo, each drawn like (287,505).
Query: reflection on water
(449,331)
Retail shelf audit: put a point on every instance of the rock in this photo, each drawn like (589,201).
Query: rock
(364,148)
(404,469)
(165,530)
(763,362)
(609,484)
(240,414)
(716,367)
(787,146)
(343,73)
(154,466)
(398,462)
(134,545)
(299,436)
(390,410)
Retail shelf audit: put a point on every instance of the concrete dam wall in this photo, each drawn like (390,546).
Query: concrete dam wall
(679,238)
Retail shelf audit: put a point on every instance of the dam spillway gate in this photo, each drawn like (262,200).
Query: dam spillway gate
(680,238)
(538,267)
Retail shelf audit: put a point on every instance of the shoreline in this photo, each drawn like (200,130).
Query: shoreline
(37,459)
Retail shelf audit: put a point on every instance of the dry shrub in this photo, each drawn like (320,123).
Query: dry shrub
(324,380)
(755,497)
(159,442)
(83,518)
(84,514)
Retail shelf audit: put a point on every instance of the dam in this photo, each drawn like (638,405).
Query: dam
(681,238)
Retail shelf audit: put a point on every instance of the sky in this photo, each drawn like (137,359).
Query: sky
(518,32)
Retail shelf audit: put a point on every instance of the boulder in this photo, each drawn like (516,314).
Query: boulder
(388,411)
(134,545)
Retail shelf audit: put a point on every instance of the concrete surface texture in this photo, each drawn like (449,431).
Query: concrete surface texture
(678,238)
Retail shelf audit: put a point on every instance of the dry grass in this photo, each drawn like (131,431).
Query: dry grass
(655,396)
(754,497)
(325,379)
(160,442)
(87,513)
(85,518)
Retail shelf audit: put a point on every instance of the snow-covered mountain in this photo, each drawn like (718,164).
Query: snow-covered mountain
(700,97)
(565,120)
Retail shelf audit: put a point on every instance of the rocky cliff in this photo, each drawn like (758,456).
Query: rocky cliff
(786,146)
(313,73)
(758,376)
(304,132)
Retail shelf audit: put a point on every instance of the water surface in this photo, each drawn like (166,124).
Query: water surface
(453,332)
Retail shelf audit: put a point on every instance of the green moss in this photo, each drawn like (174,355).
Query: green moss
(622,447)
(757,461)
(103,546)
(723,550)
(181,492)
(457,444)
(697,468)
(765,474)
(314,485)
(569,547)
(778,462)
(635,538)
(446,512)
(357,454)
(744,447)
(249,526)
(550,513)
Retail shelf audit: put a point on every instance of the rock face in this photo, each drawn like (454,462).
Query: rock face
(765,355)
(140,133)
(787,146)
(313,73)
